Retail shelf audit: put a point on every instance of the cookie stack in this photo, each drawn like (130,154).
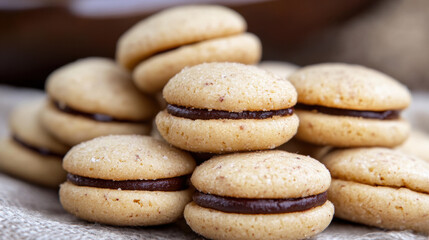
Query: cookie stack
(31,153)
(342,105)
(221,108)
(161,45)
(233,115)
(88,98)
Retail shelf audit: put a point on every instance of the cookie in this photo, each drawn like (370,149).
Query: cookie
(160,46)
(282,69)
(349,106)
(380,187)
(260,195)
(94,97)
(304,148)
(139,180)
(31,153)
(416,144)
(227,107)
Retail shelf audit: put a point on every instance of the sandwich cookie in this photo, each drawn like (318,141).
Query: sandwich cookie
(260,195)
(94,97)
(227,107)
(160,46)
(282,69)
(416,144)
(349,105)
(126,180)
(380,187)
(31,153)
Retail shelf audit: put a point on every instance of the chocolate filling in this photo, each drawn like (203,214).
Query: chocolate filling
(259,206)
(201,157)
(40,150)
(93,116)
(204,114)
(165,184)
(381,115)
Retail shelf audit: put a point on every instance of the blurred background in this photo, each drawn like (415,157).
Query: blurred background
(38,36)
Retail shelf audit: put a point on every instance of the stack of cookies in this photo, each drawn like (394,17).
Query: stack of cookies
(341,105)
(231,116)
(222,108)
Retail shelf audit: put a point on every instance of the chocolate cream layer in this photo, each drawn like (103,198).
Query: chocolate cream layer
(93,116)
(205,114)
(259,206)
(165,184)
(381,115)
(40,150)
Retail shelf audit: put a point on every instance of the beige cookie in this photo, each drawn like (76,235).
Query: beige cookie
(24,122)
(260,195)
(227,107)
(380,187)
(304,148)
(94,97)
(152,74)
(282,69)
(345,131)
(347,86)
(350,106)
(27,164)
(139,157)
(72,129)
(416,144)
(174,27)
(31,153)
(98,85)
(139,180)
(160,46)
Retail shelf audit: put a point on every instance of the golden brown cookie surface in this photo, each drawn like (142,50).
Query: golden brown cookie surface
(139,180)
(227,107)
(380,187)
(346,105)
(175,27)
(244,195)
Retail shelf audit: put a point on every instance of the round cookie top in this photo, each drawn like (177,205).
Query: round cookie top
(267,174)
(24,124)
(98,85)
(127,157)
(379,167)
(174,27)
(346,86)
(230,87)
